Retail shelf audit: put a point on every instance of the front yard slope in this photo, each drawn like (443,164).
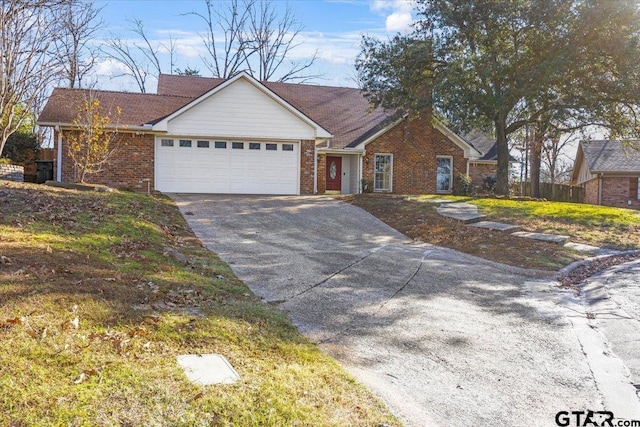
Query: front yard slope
(417,217)
(100,292)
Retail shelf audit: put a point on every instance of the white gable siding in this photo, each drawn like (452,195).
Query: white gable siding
(584,174)
(240,110)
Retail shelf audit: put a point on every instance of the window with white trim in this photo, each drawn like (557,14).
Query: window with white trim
(220,144)
(444,174)
(639,188)
(382,172)
(185,143)
(166,142)
(203,144)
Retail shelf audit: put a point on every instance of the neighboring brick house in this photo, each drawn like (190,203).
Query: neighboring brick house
(609,172)
(206,135)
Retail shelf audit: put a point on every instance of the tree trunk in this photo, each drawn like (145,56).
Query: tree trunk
(536,160)
(502,145)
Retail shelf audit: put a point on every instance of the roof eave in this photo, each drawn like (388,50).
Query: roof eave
(469,150)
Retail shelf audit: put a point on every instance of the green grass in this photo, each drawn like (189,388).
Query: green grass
(142,290)
(604,226)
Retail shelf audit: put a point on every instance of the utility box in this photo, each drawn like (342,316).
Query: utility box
(44,170)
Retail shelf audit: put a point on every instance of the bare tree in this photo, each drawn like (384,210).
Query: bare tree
(556,168)
(228,56)
(28,63)
(141,59)
(250,35)
(80,23)
(272,38)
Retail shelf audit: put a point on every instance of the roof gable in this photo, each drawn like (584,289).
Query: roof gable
(265,105)
(344,112)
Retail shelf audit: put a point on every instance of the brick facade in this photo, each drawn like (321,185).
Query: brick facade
(307,154)
(591,191)
(415,144)
(616,191)
(479,171)
(132,162)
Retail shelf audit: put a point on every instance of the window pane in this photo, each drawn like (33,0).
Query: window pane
(382,172)
(237,145)
(254,146)
(287,147)
(167,143)
(220,144)
(443,174)
(203,144)
(185,143)
(272,147)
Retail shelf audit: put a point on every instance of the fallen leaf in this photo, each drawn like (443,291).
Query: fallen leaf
(16,321)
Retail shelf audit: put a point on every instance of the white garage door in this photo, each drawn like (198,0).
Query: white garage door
(235,167)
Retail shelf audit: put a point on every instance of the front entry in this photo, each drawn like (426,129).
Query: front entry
(334,173)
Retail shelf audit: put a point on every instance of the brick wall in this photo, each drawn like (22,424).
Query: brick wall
(132,162)
(479,171)
(12,173)
(414,145)
(616,192)
(591,191)
(307,153)
(322,173)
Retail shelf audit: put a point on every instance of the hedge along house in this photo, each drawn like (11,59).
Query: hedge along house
(609,172)
(207,135)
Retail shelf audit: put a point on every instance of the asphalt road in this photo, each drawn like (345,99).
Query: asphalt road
(442,337)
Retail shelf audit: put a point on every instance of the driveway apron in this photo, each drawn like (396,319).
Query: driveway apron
(442,337)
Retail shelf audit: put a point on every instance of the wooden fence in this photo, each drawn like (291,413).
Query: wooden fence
(557,192)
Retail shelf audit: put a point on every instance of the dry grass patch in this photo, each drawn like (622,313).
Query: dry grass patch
(98,294)
(416,216)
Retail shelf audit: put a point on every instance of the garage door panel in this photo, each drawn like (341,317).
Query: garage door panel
(227,170)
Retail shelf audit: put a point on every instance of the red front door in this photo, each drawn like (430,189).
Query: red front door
(334,173)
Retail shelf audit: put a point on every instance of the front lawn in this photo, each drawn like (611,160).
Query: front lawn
(99,293)
(416,216)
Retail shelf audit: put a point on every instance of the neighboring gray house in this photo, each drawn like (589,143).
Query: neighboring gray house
(609,172)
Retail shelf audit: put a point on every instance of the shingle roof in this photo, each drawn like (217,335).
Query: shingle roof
(483,143)
(136,108)
(342,111)
(612,156)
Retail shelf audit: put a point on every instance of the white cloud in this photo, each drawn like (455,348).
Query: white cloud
(398,13)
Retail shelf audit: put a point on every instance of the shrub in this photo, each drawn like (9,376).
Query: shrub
(489,184)
(463,185)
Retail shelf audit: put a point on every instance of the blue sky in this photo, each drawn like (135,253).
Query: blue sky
(332,28)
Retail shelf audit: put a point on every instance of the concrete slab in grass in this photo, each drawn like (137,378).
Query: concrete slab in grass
(208,369)
(463,212)
(497,226)
(551,238)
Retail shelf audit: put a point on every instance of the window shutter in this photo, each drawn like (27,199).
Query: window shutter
(633,188)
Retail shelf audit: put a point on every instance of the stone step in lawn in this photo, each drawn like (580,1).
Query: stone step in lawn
(497,226)
(463,212)
(552,238)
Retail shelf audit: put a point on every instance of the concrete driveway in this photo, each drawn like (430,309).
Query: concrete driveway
(442,337)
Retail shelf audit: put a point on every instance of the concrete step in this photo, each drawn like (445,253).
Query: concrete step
(544,237)
(497,226)
(463,212)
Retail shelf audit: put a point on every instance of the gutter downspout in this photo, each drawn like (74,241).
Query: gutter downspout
(59,156)
(315,168)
